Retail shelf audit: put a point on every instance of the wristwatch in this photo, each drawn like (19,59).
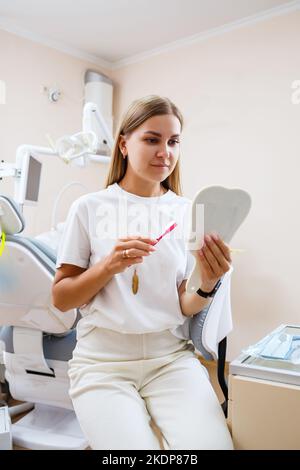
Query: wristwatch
(211,293)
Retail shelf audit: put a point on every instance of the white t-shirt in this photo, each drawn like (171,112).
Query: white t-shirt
(94,224)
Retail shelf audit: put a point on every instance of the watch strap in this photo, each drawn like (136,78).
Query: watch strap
(211,293)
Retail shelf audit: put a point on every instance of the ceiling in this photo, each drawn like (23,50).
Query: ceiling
(113,33)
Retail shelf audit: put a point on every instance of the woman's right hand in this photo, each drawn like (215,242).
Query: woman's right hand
(137,247)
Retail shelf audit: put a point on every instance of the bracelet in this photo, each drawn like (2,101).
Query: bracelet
(211,293)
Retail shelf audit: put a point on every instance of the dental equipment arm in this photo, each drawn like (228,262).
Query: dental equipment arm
(94,143)
(90,112)
(76,148)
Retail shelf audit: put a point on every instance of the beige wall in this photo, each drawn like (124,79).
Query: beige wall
(28,116)
(241,131)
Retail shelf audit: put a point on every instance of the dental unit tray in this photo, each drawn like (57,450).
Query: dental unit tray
(281,344)
(275,357)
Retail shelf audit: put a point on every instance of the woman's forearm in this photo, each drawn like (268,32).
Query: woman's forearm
(192,303)
(75,291)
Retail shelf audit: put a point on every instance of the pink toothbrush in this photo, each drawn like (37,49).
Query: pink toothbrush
(169,229)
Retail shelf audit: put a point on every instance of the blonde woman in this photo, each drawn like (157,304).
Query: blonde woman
(133,364)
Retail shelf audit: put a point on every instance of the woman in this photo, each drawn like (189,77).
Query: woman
(132,362)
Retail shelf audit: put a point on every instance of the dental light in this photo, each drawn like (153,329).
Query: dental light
(71,147)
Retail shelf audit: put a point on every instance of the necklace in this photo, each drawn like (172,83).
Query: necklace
(135,277)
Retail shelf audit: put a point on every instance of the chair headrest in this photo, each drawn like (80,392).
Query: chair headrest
(11,219)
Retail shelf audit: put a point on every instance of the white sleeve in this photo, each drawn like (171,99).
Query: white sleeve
(189,265)
(74,246)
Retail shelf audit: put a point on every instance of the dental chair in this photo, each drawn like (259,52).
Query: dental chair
(36,338)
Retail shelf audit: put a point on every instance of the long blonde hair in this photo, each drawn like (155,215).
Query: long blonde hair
(138,112)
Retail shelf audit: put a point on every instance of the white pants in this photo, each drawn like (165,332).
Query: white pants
(120,381)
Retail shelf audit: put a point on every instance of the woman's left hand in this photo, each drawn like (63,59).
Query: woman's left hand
(214,260)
